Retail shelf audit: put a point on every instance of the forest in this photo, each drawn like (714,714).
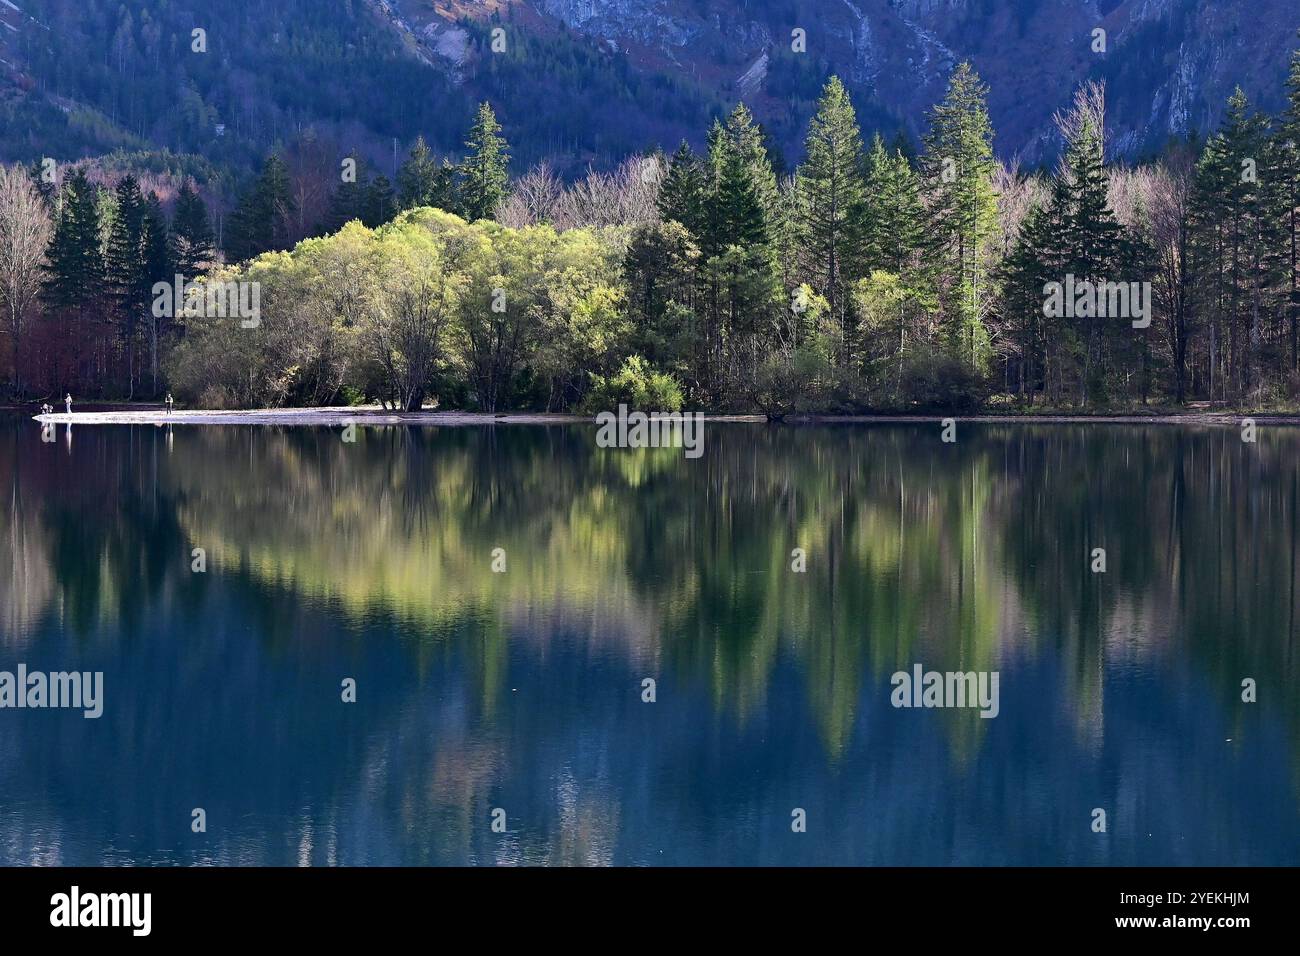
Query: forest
(874,276)
(108,75)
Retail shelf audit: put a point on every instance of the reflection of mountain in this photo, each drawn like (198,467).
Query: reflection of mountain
(522,690)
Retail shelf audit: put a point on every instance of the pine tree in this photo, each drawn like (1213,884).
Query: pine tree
(1092,237)
(74,272)
(1025,272)
(446,193)
(159,266)
(483,173)
(681,195)
(260,220)
(1211,184)
(124,256)
(418,177)
(894,234)
(128,279)
(380,202)
(1236,226)
(833,199)
(959,166)
(740,219)
(1287,151)
(192,233)
(350,199)
(751,143)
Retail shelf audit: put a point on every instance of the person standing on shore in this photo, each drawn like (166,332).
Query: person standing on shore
(67,399)
(169,403)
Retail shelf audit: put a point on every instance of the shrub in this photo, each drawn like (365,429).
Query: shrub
(638,386)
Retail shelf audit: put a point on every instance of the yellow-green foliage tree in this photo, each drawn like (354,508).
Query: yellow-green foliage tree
(423,307)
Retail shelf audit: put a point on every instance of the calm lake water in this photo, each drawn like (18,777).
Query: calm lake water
(523,691)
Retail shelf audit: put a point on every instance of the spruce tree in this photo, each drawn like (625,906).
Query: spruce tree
(446,193)
(417,179)
(741,220)
(895,216)
(1092,232)
(380,202)
(736,242)
(1024,272)
(192,233)
(894,235)
(833,198)
(1287,152)
(348,200)
(159,247)
(128,279)
(159,266)
(1211,187)
(125,252)
(740,264)
(751,143)
(260,220)
(74,271)
(711,229)
(959,166)
(1092,240)
(483,173)
(681,195)
(1238,225)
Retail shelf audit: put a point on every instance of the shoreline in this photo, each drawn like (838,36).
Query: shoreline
(342,416)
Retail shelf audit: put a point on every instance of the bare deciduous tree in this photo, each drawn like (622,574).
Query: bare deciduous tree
(1017,195)
(627,195)
(1089,110)
(314,172)
(533,199)
(1164,194)
(24,233)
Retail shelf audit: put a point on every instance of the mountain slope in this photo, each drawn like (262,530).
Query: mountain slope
(587,81)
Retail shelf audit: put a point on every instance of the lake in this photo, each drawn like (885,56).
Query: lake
(500,597)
